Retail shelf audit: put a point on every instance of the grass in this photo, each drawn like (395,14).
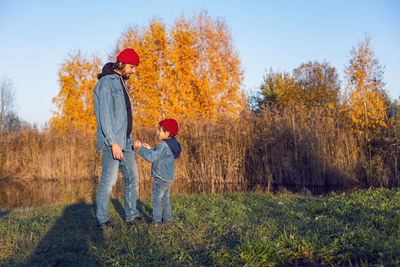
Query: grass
(249,229)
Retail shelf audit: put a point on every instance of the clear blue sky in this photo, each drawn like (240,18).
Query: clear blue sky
(36,37)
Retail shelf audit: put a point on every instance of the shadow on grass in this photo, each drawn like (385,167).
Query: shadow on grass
(4,213)
(71,241)
(144,209)
(118,207)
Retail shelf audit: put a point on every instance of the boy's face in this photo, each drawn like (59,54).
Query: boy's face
(162,134)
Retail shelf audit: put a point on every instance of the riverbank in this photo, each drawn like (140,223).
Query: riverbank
(38,192)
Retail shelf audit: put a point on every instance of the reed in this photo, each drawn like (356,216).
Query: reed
(267,150)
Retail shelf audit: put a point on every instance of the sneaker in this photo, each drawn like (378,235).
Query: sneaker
(135,221)
(102,226)
(156,224)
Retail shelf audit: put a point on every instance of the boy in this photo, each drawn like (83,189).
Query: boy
(162,168)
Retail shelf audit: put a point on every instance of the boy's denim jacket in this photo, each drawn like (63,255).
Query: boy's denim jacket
(110,110)
(162,158)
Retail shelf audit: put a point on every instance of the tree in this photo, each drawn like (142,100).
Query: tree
(318,83)
(187,70)
(12,122)
(77,78)
(366,98)
(7,100)
(312,84)
(149,86)
(279,89)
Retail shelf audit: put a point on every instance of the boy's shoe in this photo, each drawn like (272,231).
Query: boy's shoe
(102,226)
(135,221)
(156,224)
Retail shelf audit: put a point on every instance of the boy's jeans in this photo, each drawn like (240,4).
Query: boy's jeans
(160,198)
(108,179)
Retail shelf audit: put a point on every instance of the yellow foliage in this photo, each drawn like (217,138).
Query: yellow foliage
(318,84)
(77,78)
(366,97)
(312,84)
(280,89)
(187,70)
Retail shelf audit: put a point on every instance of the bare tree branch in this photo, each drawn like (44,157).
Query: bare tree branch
(7,98)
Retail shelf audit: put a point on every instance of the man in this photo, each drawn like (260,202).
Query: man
(112,107)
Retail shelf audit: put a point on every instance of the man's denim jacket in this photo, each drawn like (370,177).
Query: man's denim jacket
(110,111)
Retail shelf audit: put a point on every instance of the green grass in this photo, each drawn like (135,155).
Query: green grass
(360,228)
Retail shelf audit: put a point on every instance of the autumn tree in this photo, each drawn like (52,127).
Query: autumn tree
(279,89)
(318,84)
(188,70)
(77,78)
(312,84)
(149,86)
(366,98)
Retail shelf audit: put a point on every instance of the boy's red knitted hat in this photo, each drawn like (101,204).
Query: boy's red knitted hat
(170,125)
(128,56)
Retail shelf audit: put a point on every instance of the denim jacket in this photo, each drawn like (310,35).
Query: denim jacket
(110,111)
(162,158)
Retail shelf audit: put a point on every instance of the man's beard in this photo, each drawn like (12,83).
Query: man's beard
(124,75)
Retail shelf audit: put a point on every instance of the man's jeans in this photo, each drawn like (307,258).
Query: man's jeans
(160,198)
(108,179)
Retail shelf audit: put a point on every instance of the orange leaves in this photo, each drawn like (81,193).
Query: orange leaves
(188,70)
(318,84)
(366,97)
(312,84)
(77,78)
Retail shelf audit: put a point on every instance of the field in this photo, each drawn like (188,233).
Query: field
(252,229)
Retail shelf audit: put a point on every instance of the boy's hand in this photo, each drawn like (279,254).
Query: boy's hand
(137,145)
(147,146)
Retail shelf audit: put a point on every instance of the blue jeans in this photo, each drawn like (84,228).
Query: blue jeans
(160,199)
(108,179)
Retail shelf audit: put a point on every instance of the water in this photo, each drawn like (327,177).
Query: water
(37,192)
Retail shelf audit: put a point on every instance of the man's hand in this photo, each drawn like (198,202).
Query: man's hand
(117,152)
(147,146)
(137,145)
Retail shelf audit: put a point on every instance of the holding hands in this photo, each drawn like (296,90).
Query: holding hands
(147,146)
(139,144)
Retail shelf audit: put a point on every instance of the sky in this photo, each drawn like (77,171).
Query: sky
(37,36)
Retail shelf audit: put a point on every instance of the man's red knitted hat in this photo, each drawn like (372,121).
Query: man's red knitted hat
(128,56)
(170,125)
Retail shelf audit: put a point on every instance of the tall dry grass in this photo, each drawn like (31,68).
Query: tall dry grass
(292,147)
(30,154)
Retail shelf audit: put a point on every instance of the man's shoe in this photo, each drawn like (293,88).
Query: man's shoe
(135,221)
(102,226)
